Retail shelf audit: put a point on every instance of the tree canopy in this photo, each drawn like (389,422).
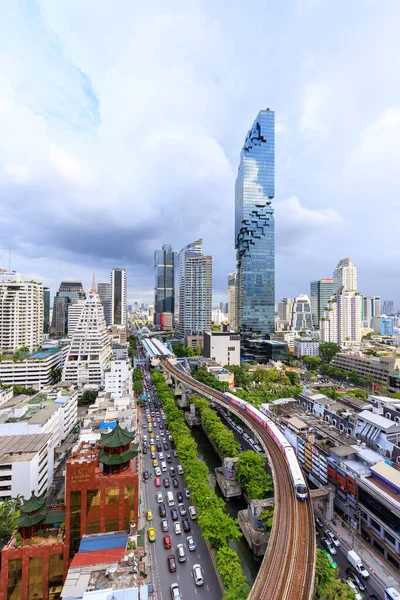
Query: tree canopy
(251,474)
(328,350)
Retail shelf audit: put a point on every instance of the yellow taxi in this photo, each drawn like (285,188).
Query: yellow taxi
(152,448)
(148,420)
(149,429)
(149,515)
(155,463)
(151,534)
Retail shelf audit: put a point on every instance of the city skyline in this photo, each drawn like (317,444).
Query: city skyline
(329,142)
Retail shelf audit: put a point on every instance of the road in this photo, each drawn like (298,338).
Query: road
(161,577)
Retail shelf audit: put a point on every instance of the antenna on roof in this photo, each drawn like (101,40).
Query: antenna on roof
(94,288)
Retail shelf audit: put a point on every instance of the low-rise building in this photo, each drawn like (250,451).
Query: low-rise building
(120,352)
(26,464)
(35,370)
(263,351)
(222,346)
(306,347)
(378,368)
(118,379)
(383,325)
(35,415)
(6,393)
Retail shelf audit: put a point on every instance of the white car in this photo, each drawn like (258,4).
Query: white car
(177,528)
(161,455)
(198,575)
(354,589)
(157,471)
(159,497)
(175,593)
(328,545)
(333,538)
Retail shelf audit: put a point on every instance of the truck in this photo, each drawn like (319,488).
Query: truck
(356,562)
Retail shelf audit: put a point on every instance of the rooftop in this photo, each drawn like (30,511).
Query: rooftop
(383,423)
(19,448)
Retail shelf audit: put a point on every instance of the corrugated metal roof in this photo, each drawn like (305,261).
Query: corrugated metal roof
(103,542)
(388,473)
(97,557)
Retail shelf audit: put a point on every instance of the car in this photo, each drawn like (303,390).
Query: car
(179,496)
(155,462)
(328,545)
(144,450)
(145,439)
(162,510)
(155,425)
(159,447)
(157,481)
(186,525)
(351,573)
(172,471)
(151,534)
(157,472)
(180,469)
(169,457)
(171,563)
(354,589)
(167,542)
(146,475)
(180,550)
(191,544)
(182,509)
(152,448)
(157,438)
(149,429)
(175,483)
(175,453)
(187,493)
(318,521)
(175,593)
(166,482)
(166,447)
(158,420)
(177,528)
(164,525)
(161,456)
(154,419)
(330,559)
(333,538)
(159,497)
(161,426)
(144,424)
(153,454)
(149,515)
(174,514)
(192,512)
(198,574)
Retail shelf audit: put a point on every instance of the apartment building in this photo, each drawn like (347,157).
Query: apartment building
(379,368)
(222,346)
(21,315)
(118,380)
(35,370)
(306,347)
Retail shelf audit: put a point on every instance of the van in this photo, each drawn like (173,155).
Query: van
(239,429)
(170,499)
(180,470)
(356,562)
(192,512)
(163,466)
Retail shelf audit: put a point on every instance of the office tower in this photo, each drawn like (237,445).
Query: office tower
(284,312)
(164,281)
(254,229)
(232,301)
(193,294)
(342,321)
(150,314)
(388,307)
(118,297)
(371,308)
(321,292)
(68,291)
(345,275)
(46,310)
(90,351)
(301,318)
(104,291)
(21,314)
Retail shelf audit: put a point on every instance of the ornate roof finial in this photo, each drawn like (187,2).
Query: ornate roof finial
(94,287)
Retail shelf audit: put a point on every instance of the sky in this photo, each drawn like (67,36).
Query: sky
(121,125)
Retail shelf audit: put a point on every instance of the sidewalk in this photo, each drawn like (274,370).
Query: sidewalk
(377,566)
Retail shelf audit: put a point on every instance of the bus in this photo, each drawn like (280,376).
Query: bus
(392,594)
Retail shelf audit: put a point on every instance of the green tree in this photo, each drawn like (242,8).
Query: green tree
(233,578)
(20,389)
(251,474)
(312,362)
(242,375)
(328,350)
(87,398)
(7,521)
(138,388)
(293,377)
(267,517)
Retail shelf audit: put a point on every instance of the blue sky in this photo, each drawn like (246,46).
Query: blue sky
(121,125)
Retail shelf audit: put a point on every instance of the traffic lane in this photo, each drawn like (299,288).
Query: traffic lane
(372,587)
(183,576)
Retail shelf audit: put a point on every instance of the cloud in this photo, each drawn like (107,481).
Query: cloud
(379,140)
(313,120)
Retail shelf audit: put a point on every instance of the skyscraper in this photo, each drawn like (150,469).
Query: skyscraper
(321,292)
(254,229)
(371,308)
(284,312)
(46,310)
(301,318)
(193,293)
(118,297)
(68,291)
(232,301)
(345,275)
(90,351)
(104,291)
(388,307)
(164,275)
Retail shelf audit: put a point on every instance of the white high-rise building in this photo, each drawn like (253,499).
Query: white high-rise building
(345,275)
(284,313)
(90,351)
(21,313)
(341,322)
(232,300)
(74,314)
(118,297)
(301,317)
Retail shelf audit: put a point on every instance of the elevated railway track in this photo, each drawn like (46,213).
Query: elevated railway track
(287,570)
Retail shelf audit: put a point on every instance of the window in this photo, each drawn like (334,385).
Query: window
(75,521)
(112,496)
(93,511)
(375,525)
(14,581)
(35,583)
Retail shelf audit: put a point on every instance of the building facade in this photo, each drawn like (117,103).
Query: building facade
(46,311)
(341,322)
(35,370)
(104,291)
(164,282)
(306,347)
(383,325)
(377,368)
(301,318)
(255,230)
(68,291)
(193,295)
(118,297)
(371,308)
(74,313)
(345,276)
(321,292)
(118,380)
(388,307)
(264,351)
(232,301)
(21,316)
(222,347)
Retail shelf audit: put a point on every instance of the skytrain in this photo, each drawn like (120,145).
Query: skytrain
(298,481)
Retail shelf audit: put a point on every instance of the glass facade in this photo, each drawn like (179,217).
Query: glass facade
(14,581)
(75,521)
(93,511)
(35,583)
(56,575)
(320,293)
(117,291)
(164,275)
(254,229)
